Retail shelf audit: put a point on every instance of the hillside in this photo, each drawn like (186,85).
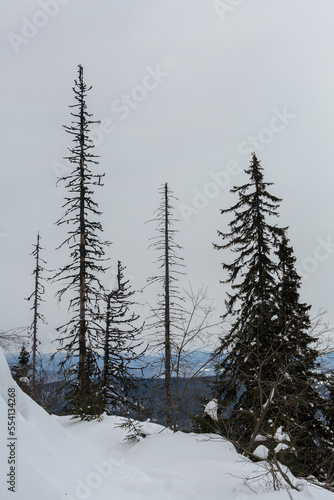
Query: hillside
(57,458)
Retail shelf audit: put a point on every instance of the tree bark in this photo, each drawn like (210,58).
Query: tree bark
(82,328)
(168,387)
(34,342)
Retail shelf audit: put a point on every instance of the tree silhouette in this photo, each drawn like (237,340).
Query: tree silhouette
(169,308)
(87,251)
(36,295)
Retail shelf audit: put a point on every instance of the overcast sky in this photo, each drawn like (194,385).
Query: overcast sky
(186,90)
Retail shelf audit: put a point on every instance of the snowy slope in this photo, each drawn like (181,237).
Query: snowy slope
(46,455)
(62,459)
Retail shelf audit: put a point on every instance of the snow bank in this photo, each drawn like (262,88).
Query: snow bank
(45,454)
(57,458)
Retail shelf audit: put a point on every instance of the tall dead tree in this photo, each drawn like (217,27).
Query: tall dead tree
(36,295)
(169,308)
(122,346)
(87,261)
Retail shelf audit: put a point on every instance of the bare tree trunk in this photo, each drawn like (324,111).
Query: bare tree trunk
(106,342)
(169,309)
(168,386)
(34,333)
(82,330)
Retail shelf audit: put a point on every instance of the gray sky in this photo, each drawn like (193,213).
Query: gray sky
(186,89)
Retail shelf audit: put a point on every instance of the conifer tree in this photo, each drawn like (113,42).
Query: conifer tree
(121,346)
(328,450)
(330,402)
(330,387)
(294,323)
(268,373)
(81,275)
(89,405)
(36,295)
(297,405)
(253,304)
(22,370)
(169,308)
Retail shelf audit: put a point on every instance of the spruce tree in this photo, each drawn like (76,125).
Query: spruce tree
(36,295)
(268,375)
(90,405)
(297,405)
(21,372)
(86,265)
(169,309)
(329,457)
(330,404)
(121,346)
(244,384)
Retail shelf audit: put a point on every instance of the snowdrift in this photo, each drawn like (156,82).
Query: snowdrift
(56,458)
(46,456)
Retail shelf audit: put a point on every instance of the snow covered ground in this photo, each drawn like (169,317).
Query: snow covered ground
(56,458)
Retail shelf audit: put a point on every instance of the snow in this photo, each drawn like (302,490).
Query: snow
(58,458)
(260,437)
(270,398)
(211,409)
(24,380)
(281,436)
(261,452)
(281,446)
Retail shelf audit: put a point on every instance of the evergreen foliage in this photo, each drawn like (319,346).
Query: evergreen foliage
(297,406)
(90,405)
(253,304)
(21,372)
(267,375)
(330,406)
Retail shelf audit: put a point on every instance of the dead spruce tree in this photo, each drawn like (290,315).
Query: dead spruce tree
(121,344)
(36,296)
(168,312)
(81,275)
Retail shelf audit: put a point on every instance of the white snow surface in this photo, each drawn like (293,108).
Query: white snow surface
(62,459)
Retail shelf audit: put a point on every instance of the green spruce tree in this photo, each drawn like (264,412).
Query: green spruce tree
(297,406)
(21,371)
(269,373)
(245,372)
(90,405)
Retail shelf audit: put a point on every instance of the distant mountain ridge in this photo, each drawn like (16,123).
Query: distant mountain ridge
(148,366)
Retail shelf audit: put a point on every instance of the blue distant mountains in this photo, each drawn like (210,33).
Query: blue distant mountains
(150,385)
(148,366)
